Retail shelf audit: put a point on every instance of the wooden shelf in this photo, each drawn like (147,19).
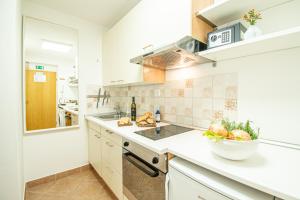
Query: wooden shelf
(286,39)
(229,10)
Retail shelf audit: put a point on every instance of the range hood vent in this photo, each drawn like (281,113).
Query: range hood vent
(177,55)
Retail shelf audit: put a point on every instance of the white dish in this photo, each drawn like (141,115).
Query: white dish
(234,150)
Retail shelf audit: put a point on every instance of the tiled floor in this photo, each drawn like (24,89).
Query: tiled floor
(81,186)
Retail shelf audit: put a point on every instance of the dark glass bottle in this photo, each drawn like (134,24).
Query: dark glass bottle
(157,116)
(133,110)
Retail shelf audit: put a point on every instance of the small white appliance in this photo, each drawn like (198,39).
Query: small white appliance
(192,182)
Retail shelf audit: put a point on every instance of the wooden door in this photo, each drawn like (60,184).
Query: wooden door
(40,100)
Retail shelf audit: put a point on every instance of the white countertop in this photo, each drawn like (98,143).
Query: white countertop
(274,170)
(159,146)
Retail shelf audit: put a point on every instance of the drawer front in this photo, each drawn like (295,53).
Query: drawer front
(112,155)
(94,126)
(113,136)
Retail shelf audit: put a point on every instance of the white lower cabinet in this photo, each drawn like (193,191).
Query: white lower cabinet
(95,157)
(183,187)
(192,182)
(112,166)
(105,155)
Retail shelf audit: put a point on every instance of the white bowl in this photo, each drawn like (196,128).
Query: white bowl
(234,150)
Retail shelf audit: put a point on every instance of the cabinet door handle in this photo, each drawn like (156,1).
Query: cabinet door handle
(108,144)
(199,197)
(147,46)
(117,81)
(97,136)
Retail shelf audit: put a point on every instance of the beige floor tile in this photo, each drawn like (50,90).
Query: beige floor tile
(88,176)
(53,197)
(104,196)
(43,188)
(64,186)
(33,196)
(90,189)
(81,186)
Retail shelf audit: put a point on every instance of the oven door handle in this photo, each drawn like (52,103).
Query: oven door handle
(139,163)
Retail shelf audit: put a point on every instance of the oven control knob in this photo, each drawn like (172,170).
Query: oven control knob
(126,144)
(155,160)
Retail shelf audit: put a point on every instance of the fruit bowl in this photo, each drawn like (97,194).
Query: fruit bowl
(234,150)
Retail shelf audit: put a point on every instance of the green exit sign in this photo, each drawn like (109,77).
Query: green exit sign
(39,67)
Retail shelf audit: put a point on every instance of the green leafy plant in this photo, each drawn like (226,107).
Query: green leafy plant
(247,128)
(252,16)
(230,126)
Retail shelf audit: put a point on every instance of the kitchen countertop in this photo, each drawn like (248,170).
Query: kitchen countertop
(158,146)
(274,169)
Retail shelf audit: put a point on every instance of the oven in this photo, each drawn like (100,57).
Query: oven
(144,172)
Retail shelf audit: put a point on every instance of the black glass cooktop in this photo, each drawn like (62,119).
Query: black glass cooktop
(163,131)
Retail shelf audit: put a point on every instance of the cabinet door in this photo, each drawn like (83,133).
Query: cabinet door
(110,53)
(120,45)
(92,146)
(149,25)
(98,154)
(95,150)
(112,155)
(112,166)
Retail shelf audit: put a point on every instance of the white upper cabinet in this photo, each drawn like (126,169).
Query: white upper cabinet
(149,25)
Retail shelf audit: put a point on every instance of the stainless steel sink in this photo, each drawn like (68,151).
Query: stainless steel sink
(110,116)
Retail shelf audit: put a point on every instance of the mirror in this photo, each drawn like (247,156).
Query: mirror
(50,75)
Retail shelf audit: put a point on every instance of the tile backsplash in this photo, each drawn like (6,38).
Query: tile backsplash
(193,102)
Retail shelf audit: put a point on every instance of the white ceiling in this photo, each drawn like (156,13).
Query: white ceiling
(102,12)
(36,31)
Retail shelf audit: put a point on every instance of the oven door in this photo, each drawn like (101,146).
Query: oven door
(141,181)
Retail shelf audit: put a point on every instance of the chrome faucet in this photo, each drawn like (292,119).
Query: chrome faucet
(117,109)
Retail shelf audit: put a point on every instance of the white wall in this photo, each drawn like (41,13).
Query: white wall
(268,90)
(52,152)
(11,173)
(269,84)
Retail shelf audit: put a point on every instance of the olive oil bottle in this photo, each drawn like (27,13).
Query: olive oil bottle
(133,110)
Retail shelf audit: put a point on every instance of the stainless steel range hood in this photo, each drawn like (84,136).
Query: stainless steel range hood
(177,55)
